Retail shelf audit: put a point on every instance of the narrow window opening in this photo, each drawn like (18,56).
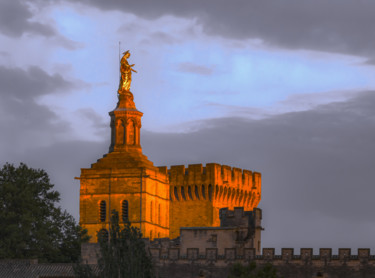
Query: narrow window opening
(102,211)
(125,211)
(131,133)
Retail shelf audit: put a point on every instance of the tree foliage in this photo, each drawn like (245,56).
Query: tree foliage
(32,225)
(123,254)
(252,271)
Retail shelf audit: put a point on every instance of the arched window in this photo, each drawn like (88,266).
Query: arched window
(102,211)
(103,235)
(125,211)
(131,133)
(120,136)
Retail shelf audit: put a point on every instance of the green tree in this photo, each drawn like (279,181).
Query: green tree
(252,271)
(32,226)
(123,254)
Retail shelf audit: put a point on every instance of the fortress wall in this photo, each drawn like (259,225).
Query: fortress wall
(196,213)
(225,186)
(227,255)
(212,263)
(197,193)
(213,240)
(170,262)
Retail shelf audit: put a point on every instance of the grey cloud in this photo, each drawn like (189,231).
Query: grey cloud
(15,20)
(26,123)
(194,68)
(4,54)
(343,26)
(27,84)
(163,38)
(370,61)
(67,43)
(94,119)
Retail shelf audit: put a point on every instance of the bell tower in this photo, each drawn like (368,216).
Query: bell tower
(125,125)
(124,179)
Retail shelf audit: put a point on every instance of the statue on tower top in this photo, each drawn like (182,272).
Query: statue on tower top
(126,73)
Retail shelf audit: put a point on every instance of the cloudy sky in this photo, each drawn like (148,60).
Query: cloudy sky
(285,88)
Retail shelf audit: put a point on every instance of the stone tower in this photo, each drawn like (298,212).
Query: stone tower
(198,193)
(125,180)
(157,200)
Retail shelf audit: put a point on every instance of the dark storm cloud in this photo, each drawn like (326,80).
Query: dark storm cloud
(194,68)
(15,20)
(30,83)
(24,122)
(343,26)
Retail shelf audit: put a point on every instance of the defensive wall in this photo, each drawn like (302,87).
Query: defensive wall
(197,193)
(208,262)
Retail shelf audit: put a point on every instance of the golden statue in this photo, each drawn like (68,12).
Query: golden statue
(126,73)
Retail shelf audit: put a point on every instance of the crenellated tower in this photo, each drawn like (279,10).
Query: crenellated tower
(197,193)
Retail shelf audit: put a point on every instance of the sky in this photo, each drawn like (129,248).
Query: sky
(285,88)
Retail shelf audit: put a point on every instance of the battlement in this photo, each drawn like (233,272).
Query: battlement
(212,173)
(240,218)
(268,255)
(221,184)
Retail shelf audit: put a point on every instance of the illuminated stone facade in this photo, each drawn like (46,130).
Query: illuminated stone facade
(125,180)
(157,200)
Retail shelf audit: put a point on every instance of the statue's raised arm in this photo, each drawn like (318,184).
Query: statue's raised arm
(126,73)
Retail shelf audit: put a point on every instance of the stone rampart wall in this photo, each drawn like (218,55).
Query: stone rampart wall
(287,255)
(210,264)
